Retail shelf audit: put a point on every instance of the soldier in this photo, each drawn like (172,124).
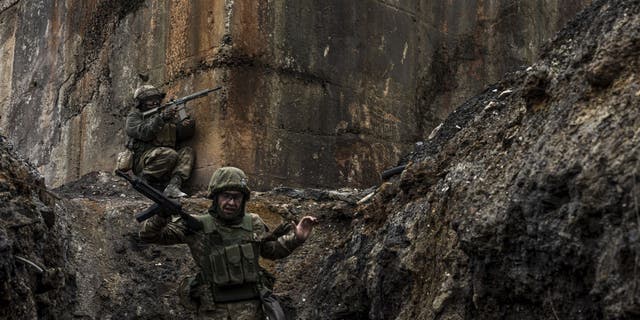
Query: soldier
(153,142)
(230,283)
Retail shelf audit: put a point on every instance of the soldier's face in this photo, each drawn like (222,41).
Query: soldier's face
(151,103)
(230,203)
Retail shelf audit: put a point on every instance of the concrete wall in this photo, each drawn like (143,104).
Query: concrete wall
(316,93)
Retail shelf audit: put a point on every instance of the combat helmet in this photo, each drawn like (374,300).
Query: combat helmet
(228,178)
(147,91)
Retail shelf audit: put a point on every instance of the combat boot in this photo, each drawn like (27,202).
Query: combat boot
(173,188)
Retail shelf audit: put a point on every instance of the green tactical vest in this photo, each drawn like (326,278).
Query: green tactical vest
(166,137)
(230,260)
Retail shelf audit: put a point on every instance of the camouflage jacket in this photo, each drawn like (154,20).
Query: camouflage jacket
(150,132)
(162,231)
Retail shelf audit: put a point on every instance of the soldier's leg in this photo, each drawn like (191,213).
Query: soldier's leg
(158,163)
(184,163)
(180,173)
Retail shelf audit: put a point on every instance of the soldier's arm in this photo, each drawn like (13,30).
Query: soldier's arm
(278,248)
(143,129)
(161,230)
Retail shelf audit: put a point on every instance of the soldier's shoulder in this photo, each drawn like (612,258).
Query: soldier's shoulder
(256,220)
(254,217)
(205,222)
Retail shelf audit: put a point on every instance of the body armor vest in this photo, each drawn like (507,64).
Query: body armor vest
(166,137)
(230,260)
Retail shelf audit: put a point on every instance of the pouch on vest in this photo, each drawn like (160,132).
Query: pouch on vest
(249,263)
(166,137)
(220,275)
(234,257)
(125,160)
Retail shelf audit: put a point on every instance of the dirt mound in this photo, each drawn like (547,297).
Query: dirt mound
(34,282)
(97,184)
(523,205)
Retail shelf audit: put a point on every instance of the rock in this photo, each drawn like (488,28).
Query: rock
(601,73)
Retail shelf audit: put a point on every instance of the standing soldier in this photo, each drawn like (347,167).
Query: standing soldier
(226,248)
(153,138)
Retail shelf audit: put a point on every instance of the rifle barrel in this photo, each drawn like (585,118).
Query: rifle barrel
(191,96)
(182,100)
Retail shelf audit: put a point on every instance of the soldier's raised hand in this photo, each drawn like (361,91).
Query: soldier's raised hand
(304,227)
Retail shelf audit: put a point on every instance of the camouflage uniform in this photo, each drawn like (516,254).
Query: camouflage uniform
(153,138)
(229,280)
(153,142)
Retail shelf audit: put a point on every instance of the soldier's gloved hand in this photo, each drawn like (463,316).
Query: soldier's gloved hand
(187,122)
(168,114)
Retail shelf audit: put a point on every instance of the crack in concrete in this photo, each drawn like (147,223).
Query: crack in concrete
(414,17)
(248,62)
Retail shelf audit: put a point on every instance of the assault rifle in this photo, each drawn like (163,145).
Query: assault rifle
(162,204)
(179,104)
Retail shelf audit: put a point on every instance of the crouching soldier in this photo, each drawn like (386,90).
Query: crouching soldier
(153,139)
(226,248)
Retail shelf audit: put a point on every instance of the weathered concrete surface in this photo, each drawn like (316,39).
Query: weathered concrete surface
(317,93)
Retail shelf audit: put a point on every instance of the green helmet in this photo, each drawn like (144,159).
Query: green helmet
(228,178)
(147,91)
